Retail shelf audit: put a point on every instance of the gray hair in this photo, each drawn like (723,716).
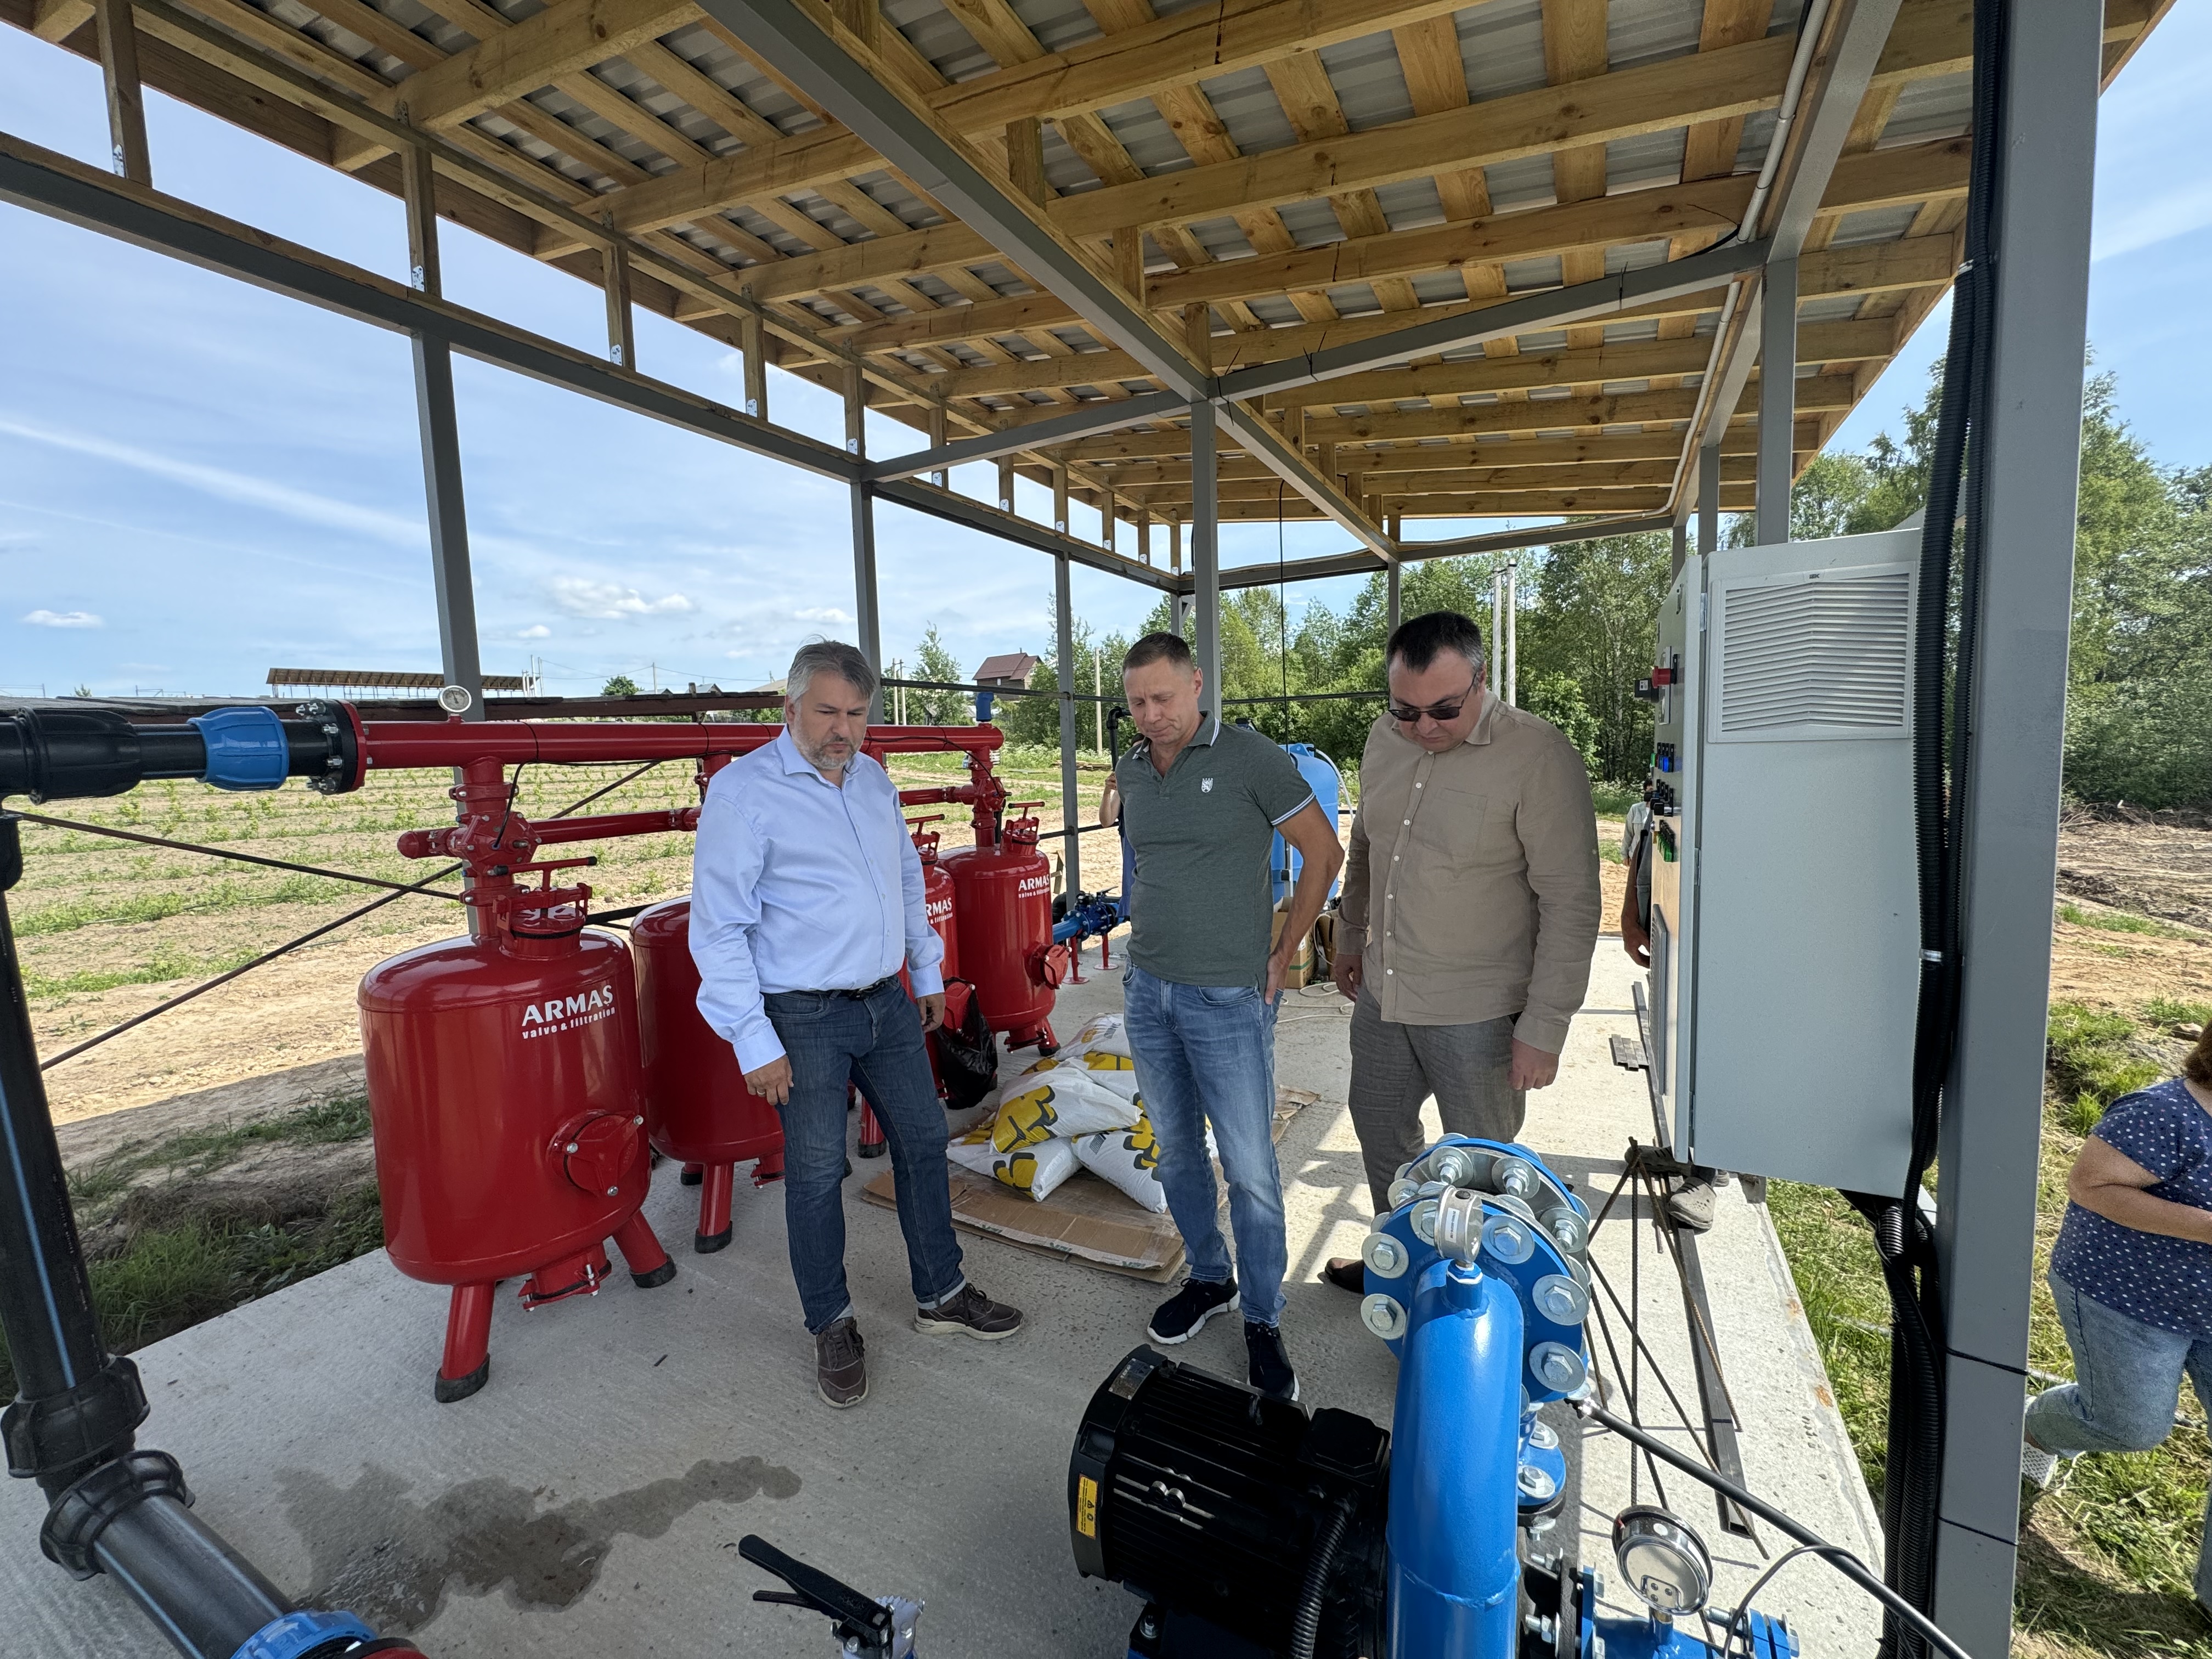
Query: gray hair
(828,657)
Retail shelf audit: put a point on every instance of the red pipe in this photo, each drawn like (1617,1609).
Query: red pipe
(391,746)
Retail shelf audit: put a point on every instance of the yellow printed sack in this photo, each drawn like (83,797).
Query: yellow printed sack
(1035,1169)
(1130,1159)
(1065,1102)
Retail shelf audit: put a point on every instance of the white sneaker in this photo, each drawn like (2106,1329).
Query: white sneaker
(2037,1466)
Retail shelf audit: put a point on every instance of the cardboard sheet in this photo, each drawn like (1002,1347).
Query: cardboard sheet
(1086,1220)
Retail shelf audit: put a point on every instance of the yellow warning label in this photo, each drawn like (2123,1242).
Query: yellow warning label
(1086,1506)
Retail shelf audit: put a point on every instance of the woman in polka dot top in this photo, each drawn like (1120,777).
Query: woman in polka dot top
(2132,1275)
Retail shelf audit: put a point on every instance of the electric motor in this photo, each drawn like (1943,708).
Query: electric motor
(1231,1512)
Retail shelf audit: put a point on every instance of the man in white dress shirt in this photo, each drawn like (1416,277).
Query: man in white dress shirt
(806,900)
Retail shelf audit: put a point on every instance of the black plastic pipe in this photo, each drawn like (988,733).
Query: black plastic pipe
(76,1407)
(200,1593)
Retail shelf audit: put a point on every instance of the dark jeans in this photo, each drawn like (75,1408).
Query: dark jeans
(876,1042)
(1206,1055)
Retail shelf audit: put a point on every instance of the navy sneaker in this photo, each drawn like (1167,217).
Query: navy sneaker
(1183,1315)
(1271,1371)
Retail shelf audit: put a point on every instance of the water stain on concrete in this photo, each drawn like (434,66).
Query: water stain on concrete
(381,1554)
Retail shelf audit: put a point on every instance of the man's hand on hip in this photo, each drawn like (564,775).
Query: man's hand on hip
(932,1010)
(772,1082)
(1532,1068)
(1278,965)
(1344,971)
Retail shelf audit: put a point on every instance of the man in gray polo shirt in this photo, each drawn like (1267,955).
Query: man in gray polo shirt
(1200,805)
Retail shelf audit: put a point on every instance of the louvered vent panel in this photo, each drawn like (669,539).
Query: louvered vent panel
(1830,657)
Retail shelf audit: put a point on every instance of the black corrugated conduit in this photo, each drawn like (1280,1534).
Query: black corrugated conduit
(1949,604)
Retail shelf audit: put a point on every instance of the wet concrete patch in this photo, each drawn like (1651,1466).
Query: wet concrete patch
(384,1556)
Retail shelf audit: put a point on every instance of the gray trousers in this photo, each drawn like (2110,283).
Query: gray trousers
(1395,1068)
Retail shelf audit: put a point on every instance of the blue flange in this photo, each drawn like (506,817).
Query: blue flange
(245,748)
(299,1634)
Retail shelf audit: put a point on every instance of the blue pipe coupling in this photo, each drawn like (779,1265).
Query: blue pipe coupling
(298,1634)
(245,748)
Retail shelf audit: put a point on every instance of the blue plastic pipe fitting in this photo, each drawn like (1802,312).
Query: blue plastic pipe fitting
(298,1633)
(245,748)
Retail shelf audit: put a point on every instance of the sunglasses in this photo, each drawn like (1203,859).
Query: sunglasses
(1441,713)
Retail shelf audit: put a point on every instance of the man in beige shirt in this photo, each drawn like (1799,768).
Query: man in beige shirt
(1470,906)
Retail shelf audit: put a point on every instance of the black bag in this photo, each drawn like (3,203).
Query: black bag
(966,1052)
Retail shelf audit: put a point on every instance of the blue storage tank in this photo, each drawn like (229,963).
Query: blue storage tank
(1328,784)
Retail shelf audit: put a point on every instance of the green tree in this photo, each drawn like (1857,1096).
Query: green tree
(620,685)
(933,661)
(1591,623)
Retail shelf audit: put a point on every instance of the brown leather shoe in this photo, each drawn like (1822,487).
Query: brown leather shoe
(969,1313)
(840,1367)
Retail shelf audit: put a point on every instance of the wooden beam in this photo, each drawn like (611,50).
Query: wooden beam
(126,101)
(1914,173)
(1650,98)
(56,20)
(1559,414)
(1635,361)
(567,36)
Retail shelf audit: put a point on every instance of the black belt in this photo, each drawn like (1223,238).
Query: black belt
(865,991)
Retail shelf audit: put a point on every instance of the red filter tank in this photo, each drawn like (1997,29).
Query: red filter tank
(1002,913)
(937,892)
(509,1118)
(697,1108)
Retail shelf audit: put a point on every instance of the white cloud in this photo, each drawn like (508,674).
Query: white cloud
(823,614)
(536,631)
(238,487)
(63,619)
(613,601)
(2145,224)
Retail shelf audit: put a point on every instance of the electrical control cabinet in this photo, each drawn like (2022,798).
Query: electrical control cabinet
(1784,909)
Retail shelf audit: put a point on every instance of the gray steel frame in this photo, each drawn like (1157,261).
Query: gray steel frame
(2015,707)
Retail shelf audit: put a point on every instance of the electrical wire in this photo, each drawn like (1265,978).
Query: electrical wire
(224,853)
(1844,1562)
(1741,1620)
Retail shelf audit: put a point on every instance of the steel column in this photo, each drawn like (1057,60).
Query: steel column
(1777,400)
(867,621)
(1511,646)
(1709,497)
(1071,800)
(439,427)
(2015,705)
(1205,550)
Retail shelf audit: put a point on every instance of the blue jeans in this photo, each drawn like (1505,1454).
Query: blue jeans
(876,1042)
(2128,1381)
(1206,1054)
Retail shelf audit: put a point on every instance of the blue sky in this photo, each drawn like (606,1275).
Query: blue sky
(199,481)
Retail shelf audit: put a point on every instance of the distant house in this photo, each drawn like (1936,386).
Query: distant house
(1008,668)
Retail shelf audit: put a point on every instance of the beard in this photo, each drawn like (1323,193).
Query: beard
(820,757)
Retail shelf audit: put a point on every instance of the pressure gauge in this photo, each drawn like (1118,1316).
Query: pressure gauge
(454,699)
(1664,1562)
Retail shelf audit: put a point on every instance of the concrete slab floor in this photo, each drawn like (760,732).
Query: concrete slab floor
(589,1501)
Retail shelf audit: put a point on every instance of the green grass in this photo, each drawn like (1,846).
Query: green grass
(1613,799)
(2121,921)
(167,963)
(196,1262)
(2094,1057)
(2107,1554)
(2171,1016)
(159,907)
